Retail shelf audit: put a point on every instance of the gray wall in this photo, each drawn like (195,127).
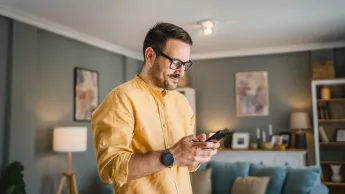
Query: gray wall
(41,98)
(22,111)
(289,79)
(4,63)
(289,90)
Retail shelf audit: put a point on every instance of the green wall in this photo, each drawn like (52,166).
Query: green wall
(41,98)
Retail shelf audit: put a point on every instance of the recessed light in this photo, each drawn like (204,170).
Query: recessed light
(207,26)
(207,31)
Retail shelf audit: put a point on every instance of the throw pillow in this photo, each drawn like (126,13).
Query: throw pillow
(277,176)
(201,181)
(301,180)
(225,173)
(250,185)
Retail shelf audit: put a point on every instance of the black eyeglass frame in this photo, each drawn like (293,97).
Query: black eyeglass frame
(158,52)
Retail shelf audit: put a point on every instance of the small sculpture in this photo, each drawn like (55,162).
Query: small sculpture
(336,177)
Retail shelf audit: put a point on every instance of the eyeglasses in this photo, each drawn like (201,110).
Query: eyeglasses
(175,63)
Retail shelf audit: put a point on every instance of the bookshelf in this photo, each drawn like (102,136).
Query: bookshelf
(328,101)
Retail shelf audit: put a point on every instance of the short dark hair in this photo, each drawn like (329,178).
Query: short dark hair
(158,35)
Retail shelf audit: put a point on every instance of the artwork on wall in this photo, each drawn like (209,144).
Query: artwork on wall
(86,92)
(252,94)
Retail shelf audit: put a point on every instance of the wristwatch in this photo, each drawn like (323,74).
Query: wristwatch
(167,158)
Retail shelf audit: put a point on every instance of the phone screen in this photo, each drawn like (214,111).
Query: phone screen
(219,135)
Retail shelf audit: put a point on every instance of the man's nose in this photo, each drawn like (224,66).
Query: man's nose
(180,71)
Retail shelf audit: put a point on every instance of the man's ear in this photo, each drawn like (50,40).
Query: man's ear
(150,55)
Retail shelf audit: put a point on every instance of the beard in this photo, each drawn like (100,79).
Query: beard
(160,82)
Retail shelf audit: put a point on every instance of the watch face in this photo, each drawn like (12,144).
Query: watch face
(168,159)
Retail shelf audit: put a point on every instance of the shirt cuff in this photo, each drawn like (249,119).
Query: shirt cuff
(120,167)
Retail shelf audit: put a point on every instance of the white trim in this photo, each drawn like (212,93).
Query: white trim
(94,41)
(315,124)
(66,32)
(314,84)
(268,50)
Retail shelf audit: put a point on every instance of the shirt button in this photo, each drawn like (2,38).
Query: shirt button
(104,143)
(164,125)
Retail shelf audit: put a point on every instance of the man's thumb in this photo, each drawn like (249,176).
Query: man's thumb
(191,138)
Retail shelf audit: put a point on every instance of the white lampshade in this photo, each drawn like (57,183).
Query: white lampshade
(70,139)
(299,120)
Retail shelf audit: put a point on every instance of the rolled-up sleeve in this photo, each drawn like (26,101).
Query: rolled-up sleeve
(112,126)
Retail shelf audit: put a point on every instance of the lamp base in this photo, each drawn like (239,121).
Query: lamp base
(70,176)
(300,140)
(71,183)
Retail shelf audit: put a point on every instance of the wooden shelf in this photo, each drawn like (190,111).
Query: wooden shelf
(331,120)
(332,100)
(332,144)
(334,184)
(332,162)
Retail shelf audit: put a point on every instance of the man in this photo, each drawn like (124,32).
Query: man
(143,129)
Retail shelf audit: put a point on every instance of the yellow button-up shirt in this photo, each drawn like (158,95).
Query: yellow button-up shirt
(135,118)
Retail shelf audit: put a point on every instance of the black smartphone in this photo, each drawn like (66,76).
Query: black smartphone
(219,135)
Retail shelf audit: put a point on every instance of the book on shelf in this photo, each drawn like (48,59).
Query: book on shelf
(324,110)
(323,135)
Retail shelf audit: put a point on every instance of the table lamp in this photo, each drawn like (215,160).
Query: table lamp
(69,139)
(300,121)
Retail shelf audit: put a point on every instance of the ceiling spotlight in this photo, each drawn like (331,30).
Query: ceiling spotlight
(207,25)
(207,31)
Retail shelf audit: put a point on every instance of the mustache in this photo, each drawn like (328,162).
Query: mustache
(175,76)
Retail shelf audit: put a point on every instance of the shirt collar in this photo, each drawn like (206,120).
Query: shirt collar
(153,90)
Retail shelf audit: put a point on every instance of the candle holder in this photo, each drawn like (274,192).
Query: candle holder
(258,141)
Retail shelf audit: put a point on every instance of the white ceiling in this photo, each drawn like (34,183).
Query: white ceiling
(243,27)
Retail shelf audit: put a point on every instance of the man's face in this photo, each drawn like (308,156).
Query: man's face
(163,76)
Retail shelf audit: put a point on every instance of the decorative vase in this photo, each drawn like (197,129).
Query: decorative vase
(325,93)
(336,177)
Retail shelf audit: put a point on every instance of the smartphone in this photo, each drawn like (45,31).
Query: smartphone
(219,135)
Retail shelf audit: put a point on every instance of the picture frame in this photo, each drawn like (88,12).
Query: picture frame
(240,140)
(86,93)
(252,94)
(340,135)
(286,139)
(276,140)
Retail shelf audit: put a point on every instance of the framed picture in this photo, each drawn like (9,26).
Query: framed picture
(340,135)
(86,93)
(252,97)
(286,139)
(276,140)
(240,140)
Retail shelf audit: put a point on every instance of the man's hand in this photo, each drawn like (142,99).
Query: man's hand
(191,150)
(201,137)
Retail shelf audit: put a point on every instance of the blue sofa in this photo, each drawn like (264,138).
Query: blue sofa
(284,179)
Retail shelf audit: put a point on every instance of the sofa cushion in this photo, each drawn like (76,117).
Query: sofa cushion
(277,176)
(224,174)
(201,181)
(250,185)
(302,180)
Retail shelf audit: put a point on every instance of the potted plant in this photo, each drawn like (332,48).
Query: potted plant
(11,179)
